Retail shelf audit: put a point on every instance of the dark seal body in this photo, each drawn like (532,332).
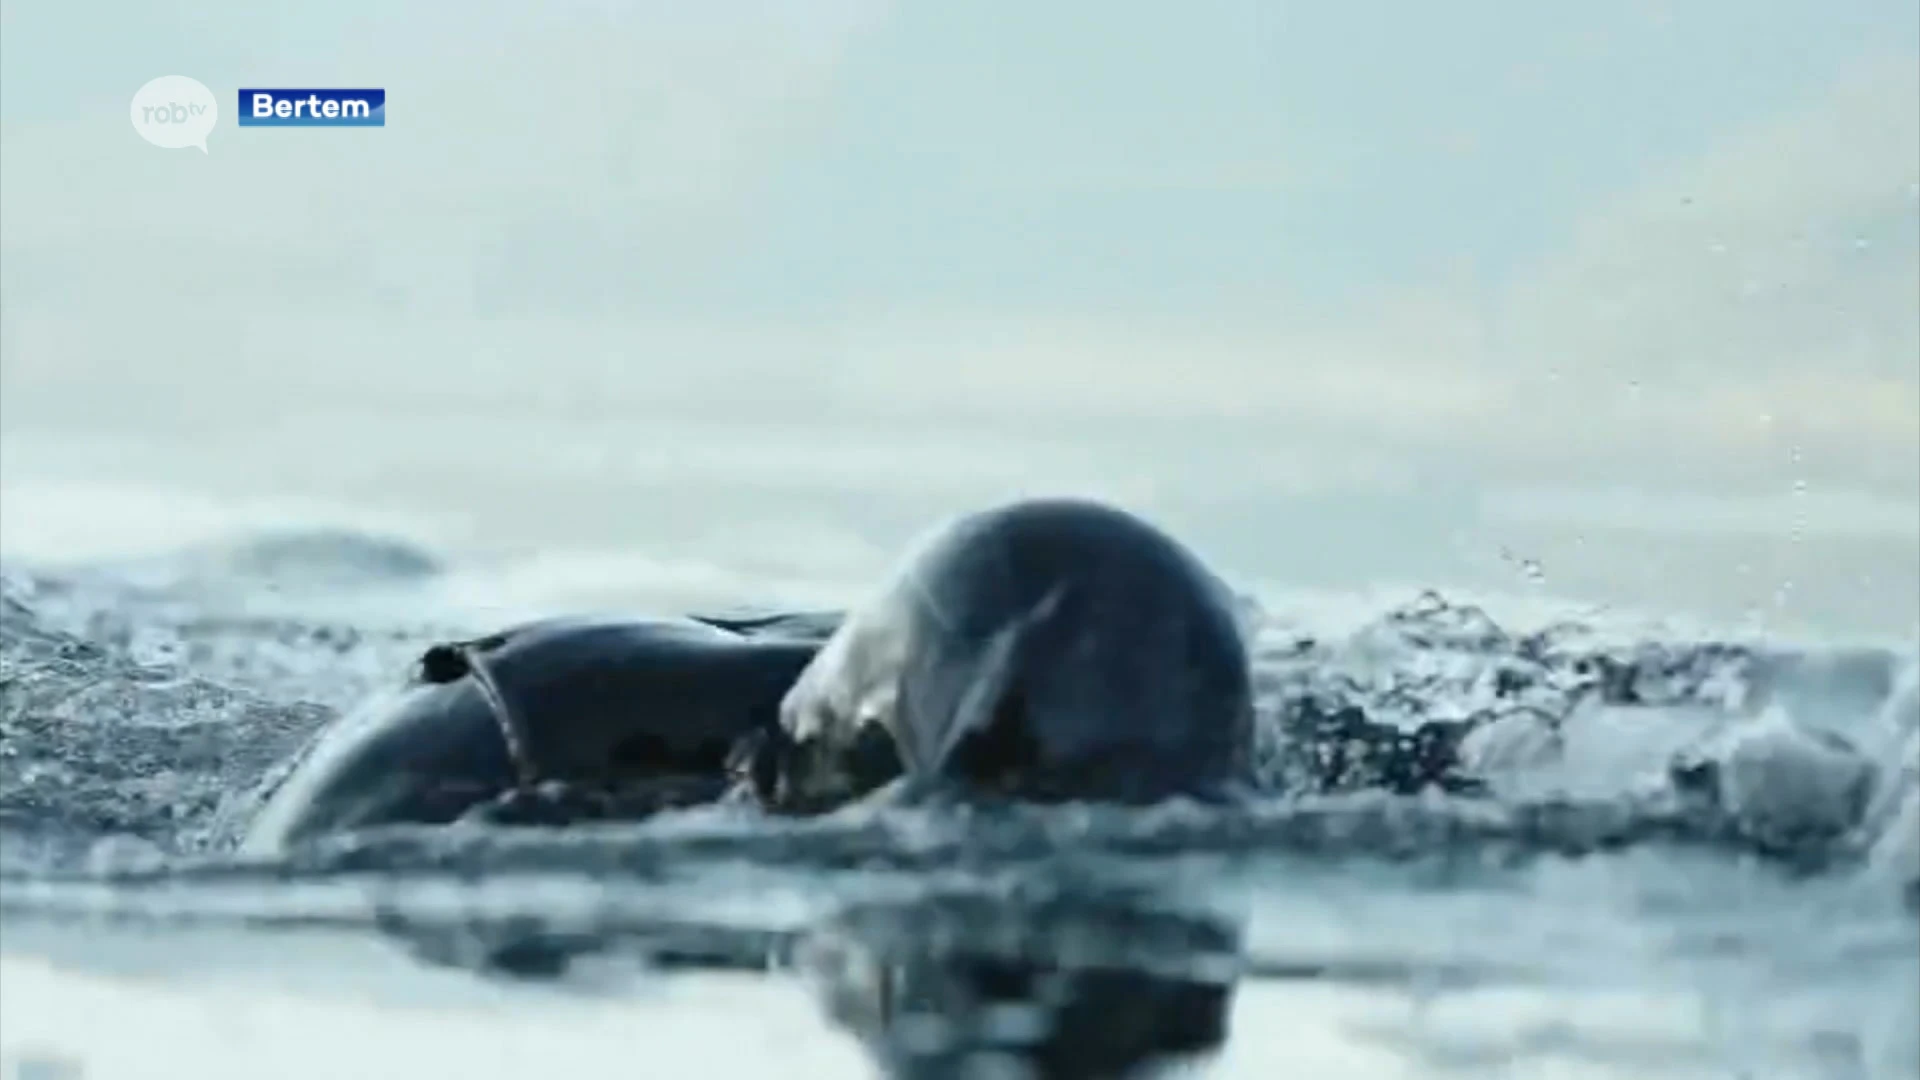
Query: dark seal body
(1047,650)
(598,702)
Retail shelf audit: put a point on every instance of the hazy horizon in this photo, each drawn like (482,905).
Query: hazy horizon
(1344,295)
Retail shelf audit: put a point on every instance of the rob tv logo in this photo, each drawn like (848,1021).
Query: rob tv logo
(174,112)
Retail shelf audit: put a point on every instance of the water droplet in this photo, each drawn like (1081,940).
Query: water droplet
(1796,526)
(1528,568)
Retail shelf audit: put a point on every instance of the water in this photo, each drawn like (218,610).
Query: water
(1600,321)
(1651,853)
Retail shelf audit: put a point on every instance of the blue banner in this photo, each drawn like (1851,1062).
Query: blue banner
(313,108)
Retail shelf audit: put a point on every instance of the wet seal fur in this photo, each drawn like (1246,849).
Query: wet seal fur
(1044,650)
(653,709)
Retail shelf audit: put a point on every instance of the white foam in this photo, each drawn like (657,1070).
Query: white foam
(590,580)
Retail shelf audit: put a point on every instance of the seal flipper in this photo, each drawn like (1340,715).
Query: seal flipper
(990,742)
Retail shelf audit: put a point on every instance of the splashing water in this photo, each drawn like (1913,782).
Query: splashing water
(1481,846)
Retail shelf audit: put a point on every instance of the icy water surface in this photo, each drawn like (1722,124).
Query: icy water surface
(1517,848)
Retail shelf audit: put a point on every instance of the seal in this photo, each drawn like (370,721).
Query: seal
(1046,650)
(609,705)
(815,626)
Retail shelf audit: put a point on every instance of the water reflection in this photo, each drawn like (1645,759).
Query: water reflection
(970,985)
(990,987)
(1089,982)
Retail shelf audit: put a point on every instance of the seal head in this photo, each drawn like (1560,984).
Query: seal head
(1044,650)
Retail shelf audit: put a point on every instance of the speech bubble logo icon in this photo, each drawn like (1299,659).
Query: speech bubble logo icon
(174,112)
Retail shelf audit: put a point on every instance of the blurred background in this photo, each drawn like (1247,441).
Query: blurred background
(1617,302)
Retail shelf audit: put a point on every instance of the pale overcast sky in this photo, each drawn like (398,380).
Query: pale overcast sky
(1347,291)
